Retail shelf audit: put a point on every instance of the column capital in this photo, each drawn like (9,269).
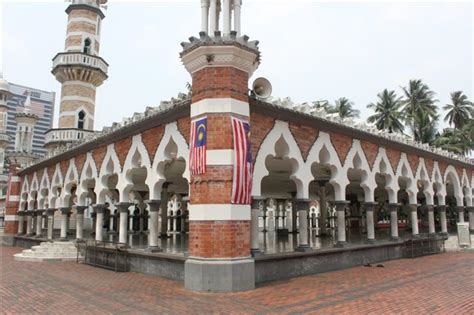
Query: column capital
(394,206)
(80,209)
(302,204)
(154,205)
(370,206)
(123,206)
(30,212)
(39,212)
(340,204)
(460,208)
(65,210)
(414,207)
(470,209)
(430,207)
(50,211)
(256,202)
(441,208)
(99,208)
(21,213)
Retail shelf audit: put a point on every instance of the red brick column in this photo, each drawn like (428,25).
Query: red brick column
(13,201)
(219,231)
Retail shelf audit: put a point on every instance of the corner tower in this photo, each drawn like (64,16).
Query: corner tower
(220,64)
(80,70)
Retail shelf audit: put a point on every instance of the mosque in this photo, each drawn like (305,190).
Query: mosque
(223,188)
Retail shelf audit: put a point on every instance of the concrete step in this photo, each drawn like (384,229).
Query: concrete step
(20,257)
(47,251)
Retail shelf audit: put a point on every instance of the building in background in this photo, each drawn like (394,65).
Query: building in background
(42,103)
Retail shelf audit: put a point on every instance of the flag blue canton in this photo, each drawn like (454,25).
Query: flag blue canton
(201,133)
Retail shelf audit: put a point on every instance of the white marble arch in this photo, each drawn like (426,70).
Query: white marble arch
(323,152)
(71,179)
(383,166)
(356,159)
(89,172)
(423,175)
(110,166)
(452,175)
(437,180)
(24,195)
(156,176)
(45,188)
(34,183)
(466,189)
(404,171)
(57,183)
(267,148)
(137,157)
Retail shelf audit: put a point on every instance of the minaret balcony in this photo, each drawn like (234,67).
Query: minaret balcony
(79,66)
(63,135)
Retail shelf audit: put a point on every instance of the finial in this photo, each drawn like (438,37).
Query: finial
(28,103)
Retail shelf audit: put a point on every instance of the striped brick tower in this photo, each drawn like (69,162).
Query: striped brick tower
(13,200)
(219,231)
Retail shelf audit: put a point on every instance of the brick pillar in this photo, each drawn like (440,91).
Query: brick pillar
(219,231)
(13,201)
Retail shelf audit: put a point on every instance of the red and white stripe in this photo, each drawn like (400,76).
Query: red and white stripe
(242,182)
(197,155)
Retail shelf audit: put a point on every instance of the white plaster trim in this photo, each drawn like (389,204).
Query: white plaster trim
(82,19)
(14,198)
(84,84)
(11,218)
(220,157)
(220,105)
(219,212)
(78,98)
(74,48)
(15,179)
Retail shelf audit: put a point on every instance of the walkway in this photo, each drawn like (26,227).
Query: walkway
(439,284)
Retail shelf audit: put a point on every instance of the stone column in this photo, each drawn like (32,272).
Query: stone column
(50,213)
(323,206)
(442,219)
(393,208)
(123,211)
(99,225)
(431,219)
(39,228)
(471,218)
(460,214)
(414,220)
(21,222)
(80,222)
(254,231)
(213,17)
(154,207)
(64,218)
(68,220)
(29,223)
(184,210)
(294,216)
(237,9)
(303,242)
(341,222)
(94,221)
(164,214)
(369,210)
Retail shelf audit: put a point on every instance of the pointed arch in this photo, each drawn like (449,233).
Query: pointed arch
(71,179)
(451,175)
(466,189)
(89,172)
(34,182)
(57,182)
(404,170)
(156,177)
(280,130)
(45,187)
(110,166)
(438,184)
(383,166)
(423,175)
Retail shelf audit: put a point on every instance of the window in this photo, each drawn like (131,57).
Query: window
(87,46)
(81,118)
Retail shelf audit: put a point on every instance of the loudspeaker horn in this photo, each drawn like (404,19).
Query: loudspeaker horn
(262,88)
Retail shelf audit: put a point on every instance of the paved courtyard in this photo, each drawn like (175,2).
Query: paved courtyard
(441,284)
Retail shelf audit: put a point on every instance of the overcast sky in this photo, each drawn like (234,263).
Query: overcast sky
(310,50)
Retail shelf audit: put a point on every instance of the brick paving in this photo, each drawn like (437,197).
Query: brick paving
(441,284)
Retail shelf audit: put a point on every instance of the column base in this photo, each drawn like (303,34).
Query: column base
(38,236)
(342,244)
(256,252)
(153,249)
(395,238)
(303,248)
(29,234)
(216,275)
(416,236)
(370,241)
(63,239)
(164,236)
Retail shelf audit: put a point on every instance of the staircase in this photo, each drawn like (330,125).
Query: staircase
(46,251)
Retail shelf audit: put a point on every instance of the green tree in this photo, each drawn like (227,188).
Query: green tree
(459,141)
(388,114)
(419,109)
(460,111)
(344,108)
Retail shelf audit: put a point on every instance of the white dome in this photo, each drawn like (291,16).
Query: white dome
(4,86)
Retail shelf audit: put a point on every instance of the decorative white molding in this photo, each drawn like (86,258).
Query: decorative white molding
(11,218)
(220,105)
(220,157)
(13,198)
(219,212)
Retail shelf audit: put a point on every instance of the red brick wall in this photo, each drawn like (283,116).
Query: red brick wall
(184,127)
(220,82)
(305,137)
(80,160)
(442,168)
(370,150)
(413,161)
(393,157)
(219,239)
(121,148)
(64,165)
(219,132)
(151,139)
(342,144)
(429,167)
(99,155)
(213,187)
(260,126)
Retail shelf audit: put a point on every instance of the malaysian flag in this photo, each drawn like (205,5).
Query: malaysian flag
(242,182)
(197,154)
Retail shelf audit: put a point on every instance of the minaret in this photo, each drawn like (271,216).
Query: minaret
(80,70)
(4,138)
(25,126)
(220,64)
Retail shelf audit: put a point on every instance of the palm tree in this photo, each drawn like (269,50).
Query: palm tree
(425,128)
(419,106)
(459,141)
(388,115)
(460,111)
(344,108)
